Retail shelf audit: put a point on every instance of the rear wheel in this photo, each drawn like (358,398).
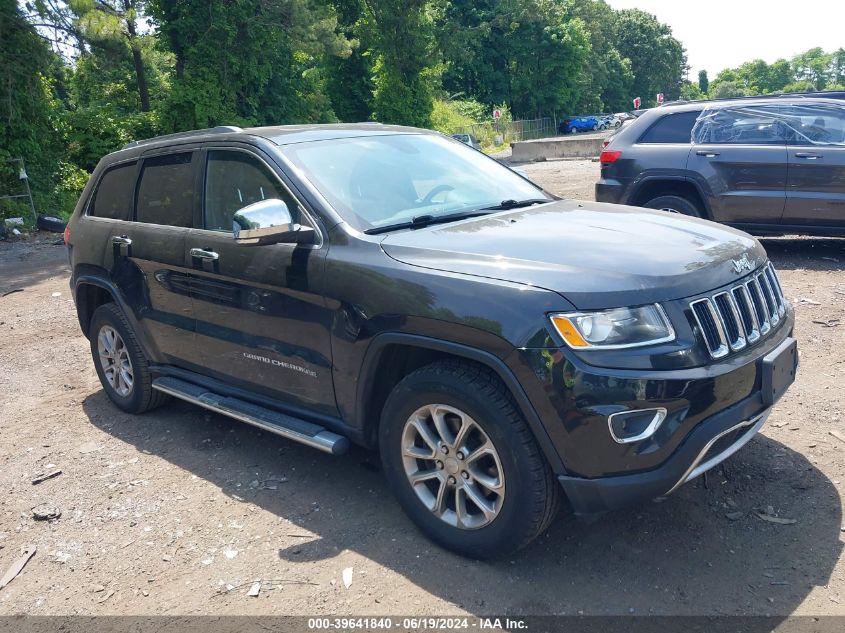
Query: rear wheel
(675,204)
(463,463)
(121,366)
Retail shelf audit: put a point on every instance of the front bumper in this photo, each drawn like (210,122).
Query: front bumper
(705,448)
(708,444)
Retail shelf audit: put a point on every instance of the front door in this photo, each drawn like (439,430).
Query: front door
(261,322)
(739,156)
(815,194)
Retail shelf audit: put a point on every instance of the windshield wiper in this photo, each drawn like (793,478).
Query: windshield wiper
(419,221)
(504,205)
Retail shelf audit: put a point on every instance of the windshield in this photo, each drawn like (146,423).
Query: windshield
(376,181)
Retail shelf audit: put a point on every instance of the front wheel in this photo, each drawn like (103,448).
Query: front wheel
(463,463)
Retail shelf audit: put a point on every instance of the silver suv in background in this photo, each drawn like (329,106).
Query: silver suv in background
(769,165)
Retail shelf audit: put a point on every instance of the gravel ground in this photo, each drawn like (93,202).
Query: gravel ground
(181,512)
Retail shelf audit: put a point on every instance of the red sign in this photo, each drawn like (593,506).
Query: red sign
(659,98)
(497,114)
(637,103)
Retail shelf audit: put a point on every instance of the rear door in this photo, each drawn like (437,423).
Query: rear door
(107,214)
(739,158)
(261,320)
(661,152)
(815,194)
(149,254)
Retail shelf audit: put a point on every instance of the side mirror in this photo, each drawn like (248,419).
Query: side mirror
(268,222)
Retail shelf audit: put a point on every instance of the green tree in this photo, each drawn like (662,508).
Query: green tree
(116,20)
(29,128)
(658,61)
(349,80)
(812,66)
(246,62)
(703,82)
(495,51)
(725,89)
(401,36)
(691,91)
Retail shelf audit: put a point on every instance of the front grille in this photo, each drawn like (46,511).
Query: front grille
(742,315)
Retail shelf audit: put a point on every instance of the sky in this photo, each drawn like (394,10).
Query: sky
(719,34)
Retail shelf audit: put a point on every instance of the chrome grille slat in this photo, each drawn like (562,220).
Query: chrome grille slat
(711,325)
(748,313)
(732,325)
(774,282)
(769,297)
(740,316)
(759,305)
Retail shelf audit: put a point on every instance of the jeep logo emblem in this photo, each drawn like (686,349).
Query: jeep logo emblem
(743,264)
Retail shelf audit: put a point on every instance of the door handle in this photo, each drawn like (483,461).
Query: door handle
(204,253)
(706,154)
(121,240)
(808,155)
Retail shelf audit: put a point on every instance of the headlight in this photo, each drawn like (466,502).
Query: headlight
(614,329)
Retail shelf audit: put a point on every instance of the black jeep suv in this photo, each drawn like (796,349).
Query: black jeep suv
(394,288)
(771,165)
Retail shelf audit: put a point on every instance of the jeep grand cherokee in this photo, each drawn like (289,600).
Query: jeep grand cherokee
(394,288)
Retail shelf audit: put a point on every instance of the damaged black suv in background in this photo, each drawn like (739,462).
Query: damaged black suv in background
(394,288)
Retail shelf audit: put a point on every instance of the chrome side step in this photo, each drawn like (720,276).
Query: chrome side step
(312,435)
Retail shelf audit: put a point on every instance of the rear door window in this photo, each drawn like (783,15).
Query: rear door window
(166,190)
(113,197)
(675,127)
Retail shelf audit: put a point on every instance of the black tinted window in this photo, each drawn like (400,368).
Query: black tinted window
(166,191)
(675,127)
(114,193)
(233,181)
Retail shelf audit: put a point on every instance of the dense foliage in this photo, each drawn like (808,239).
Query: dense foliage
(80,78)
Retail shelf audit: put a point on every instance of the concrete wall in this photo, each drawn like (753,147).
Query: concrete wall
(567,147)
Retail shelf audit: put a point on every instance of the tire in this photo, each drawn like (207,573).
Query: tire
(46,223)
(574,130)
(110,329)
(617,124)
(595,127)
(464,395)
(675,204)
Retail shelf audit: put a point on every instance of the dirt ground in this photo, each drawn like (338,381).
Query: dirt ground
(180,512)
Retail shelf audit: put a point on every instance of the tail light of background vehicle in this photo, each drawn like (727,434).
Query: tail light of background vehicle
(67,235)
(609,156)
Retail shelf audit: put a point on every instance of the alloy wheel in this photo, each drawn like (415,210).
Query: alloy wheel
(115,361)
(453,466)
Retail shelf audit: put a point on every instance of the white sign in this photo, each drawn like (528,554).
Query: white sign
(659,98)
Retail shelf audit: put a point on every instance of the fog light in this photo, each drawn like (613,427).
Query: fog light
(635,426)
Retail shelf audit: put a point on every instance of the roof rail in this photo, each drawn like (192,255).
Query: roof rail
(829,94)
(220,129)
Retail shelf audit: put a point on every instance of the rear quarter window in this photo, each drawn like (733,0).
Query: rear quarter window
(675,127)
(113,196)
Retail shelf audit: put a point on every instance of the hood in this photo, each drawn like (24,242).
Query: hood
(596,255)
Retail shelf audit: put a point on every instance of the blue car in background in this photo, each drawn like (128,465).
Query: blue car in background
(578,124)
